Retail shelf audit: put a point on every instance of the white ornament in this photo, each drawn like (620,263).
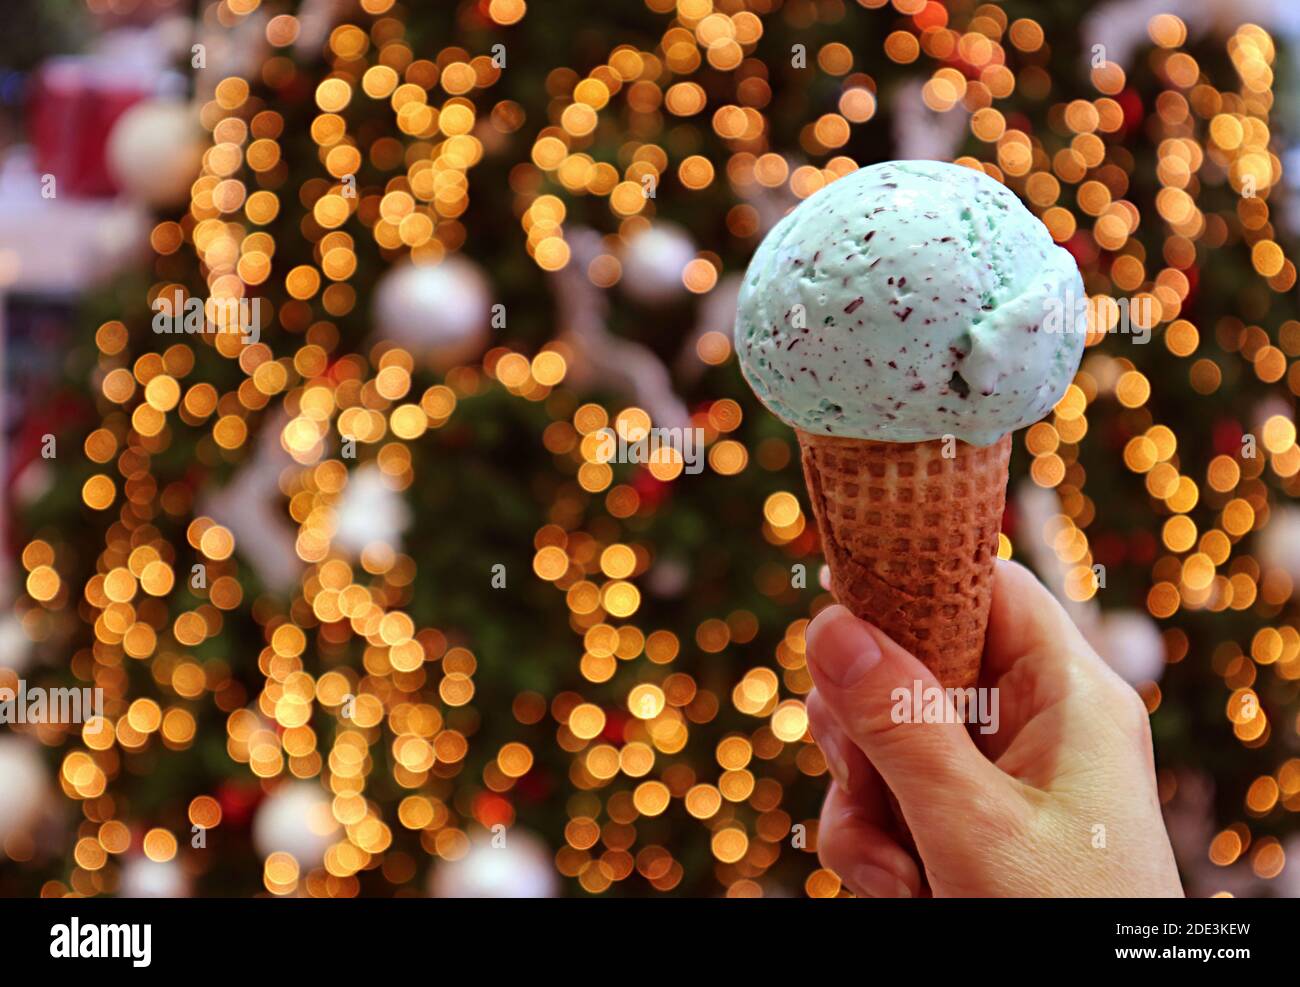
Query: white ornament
(1039,508)
(1104,370)
(370,512)
(717,313)
(15,645)
(24,784)
(249,505)
(521,868)
(145,878)
(1287,884)
(1291,177)
(1128,640)
(1279,543)
(1271,407)
(1117,30)
(1131,644)
(772,204)
(295,819)
(921,133)
(316,17)
(599,358)
(668,577)
(154,151)
(439,312)
(653,262)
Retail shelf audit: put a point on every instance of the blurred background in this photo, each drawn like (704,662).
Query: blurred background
(369,613)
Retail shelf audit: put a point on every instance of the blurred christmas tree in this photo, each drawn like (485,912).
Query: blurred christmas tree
(368,590)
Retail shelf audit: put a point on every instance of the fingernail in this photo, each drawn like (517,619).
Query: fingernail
(876,882)
(842,649)
(835,760)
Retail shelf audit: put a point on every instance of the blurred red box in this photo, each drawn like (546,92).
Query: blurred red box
(74,103)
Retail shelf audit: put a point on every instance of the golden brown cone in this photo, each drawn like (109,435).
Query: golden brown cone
(911,538)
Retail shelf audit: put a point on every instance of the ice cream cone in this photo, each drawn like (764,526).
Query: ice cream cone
(911,537)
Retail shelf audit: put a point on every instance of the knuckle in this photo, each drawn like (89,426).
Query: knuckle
(1133,711)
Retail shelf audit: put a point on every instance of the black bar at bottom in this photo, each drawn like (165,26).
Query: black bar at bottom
(326,938)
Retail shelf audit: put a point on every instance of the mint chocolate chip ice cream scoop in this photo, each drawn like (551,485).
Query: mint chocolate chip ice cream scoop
(906,302)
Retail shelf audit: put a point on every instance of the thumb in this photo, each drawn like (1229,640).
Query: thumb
(934,770)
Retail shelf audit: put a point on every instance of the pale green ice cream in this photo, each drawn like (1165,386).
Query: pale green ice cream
(924,287)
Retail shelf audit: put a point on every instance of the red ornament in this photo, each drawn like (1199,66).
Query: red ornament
(615,725)
(1193,275)
(1131,103)
(59,414)
(237,802)
(296,89)
(806,543)
(1083,248)
(651,491)
(536,786)
(932,15)
(1227,438)
(1109,549)
(491,810)
(1018,121)
(1142,548)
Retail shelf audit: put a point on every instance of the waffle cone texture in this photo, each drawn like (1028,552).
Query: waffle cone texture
(911,539)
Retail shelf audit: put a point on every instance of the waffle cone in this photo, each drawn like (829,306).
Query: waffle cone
(911,539)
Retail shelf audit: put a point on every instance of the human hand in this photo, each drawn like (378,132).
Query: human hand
(1059,801)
